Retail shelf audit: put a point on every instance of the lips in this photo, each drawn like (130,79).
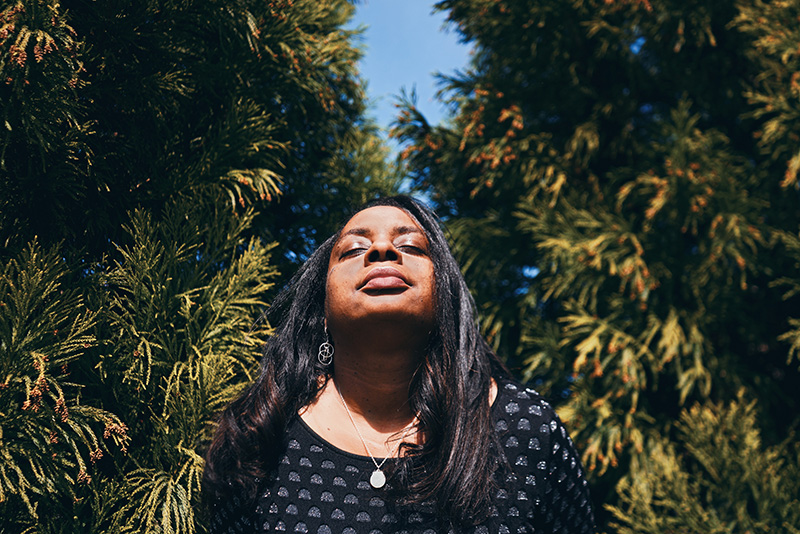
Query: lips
(384,278)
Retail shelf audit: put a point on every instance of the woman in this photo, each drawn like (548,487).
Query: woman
(381,408)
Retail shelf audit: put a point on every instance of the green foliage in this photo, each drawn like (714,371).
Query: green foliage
(44,136)
(727,481)
(173,341)
(137,101)
(49,438)
(620,181)
(792,285)
(775,90)
(180,343)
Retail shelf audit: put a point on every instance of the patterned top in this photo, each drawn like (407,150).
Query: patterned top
(321,489)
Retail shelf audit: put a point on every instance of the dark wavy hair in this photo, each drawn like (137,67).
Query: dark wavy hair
(454,466)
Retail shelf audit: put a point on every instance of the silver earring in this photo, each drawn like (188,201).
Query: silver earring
(325,355)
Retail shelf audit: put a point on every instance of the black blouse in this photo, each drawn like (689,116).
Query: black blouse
(321,489)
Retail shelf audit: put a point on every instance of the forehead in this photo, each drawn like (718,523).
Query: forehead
(379,219)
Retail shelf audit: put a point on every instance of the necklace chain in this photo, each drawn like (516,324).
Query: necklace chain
(363,441)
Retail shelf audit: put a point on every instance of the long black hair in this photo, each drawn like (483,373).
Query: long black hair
(454,465)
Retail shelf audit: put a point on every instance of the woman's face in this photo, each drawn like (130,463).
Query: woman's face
(380,270)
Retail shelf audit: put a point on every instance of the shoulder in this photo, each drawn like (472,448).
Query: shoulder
(523,406)
(528,425)
(525,423)
(543,459)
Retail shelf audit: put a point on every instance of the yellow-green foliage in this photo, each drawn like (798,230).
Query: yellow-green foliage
(49,438)
(182,338)
(726,482)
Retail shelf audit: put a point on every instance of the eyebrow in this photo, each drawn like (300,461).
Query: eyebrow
(399,230)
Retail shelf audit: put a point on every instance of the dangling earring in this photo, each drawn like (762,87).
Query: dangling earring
(325,355)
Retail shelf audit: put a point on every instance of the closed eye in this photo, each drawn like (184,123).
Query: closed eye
(412,249)
(355,251)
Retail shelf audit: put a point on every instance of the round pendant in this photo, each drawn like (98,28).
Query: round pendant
(377,480)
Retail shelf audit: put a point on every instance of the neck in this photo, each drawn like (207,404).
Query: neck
(375,384)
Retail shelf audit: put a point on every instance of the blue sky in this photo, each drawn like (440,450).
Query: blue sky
(404,45)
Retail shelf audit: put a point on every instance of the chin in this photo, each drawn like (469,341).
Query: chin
(396,317)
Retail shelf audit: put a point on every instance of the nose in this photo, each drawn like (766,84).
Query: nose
(382,250)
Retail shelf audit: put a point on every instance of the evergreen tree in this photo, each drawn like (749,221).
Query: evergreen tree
(621,182)
(112,106)
(181,338)
(725,481)
(150,154)
(49,435)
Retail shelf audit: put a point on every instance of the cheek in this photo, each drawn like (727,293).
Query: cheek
(334,288)
(430,296)
(328,291)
